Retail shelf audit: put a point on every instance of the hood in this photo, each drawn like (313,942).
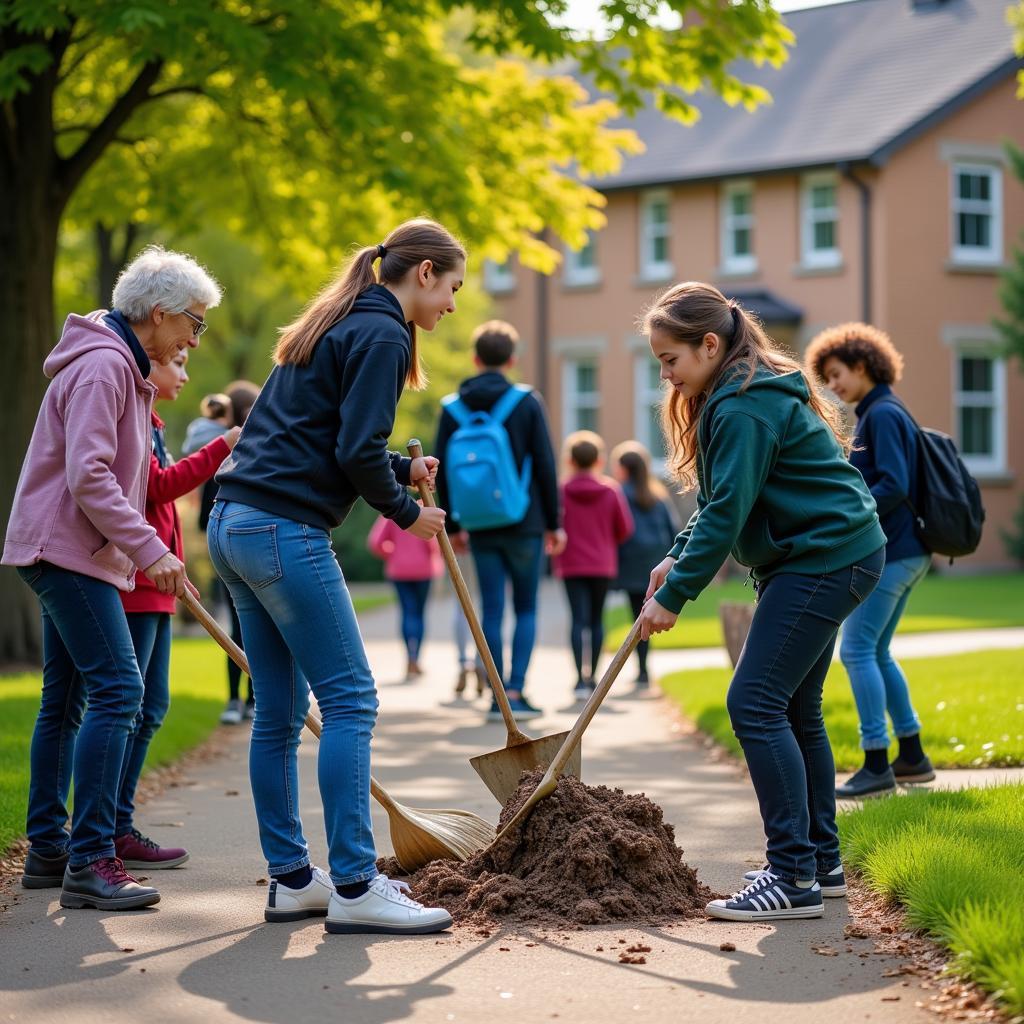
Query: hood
(764,381)
(586,488)
(377,299)
(83,335)
(483,390)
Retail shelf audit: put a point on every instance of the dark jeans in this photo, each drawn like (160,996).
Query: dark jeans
(234,672)
(636,603)
(774,704)
(151,637)
(515,559)
(412,598)
(586,606)
(91,694)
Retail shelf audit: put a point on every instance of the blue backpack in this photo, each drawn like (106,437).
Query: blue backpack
(485,490)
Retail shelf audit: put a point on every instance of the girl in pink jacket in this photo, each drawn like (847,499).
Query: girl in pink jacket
(410,563)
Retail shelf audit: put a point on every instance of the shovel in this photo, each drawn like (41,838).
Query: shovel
(418,835)
(547,785)
(500,769)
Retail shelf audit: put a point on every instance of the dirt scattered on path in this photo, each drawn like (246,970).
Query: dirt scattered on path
(585,855)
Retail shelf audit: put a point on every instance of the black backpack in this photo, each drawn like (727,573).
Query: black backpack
(948,514)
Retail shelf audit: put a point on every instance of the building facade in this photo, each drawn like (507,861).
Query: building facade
(904,219)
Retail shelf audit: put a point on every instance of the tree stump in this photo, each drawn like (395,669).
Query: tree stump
(736,617)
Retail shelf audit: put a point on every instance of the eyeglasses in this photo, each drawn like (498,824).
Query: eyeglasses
(198,325)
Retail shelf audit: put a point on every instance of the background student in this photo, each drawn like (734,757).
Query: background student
(860,363)
(597,521)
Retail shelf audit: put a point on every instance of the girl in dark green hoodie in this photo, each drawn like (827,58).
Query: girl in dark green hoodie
(768,458)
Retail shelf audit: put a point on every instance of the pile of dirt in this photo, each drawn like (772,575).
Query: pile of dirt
(585,855)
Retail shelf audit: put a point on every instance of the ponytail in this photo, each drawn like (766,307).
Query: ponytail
(405,247)
(635,459)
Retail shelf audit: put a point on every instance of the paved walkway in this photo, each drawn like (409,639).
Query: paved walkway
(205,952)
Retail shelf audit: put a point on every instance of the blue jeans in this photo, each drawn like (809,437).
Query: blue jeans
(412,598)
(878,682)
(300,632)
(91,694)
(151,637)
(774,704)
(517,559)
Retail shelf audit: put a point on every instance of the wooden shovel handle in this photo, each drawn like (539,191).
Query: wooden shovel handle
(237,655)
(515,735)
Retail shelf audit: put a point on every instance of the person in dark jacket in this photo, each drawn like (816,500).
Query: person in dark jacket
(860,364)
(655,525)
(597,521)
(509,553)
(775,490)
(314,442)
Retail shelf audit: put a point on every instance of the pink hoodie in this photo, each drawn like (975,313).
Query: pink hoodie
(82,489)
(597,521)
(405,557)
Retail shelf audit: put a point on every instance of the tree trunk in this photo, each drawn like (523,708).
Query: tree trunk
(111,258)
(736,617)
(30,208)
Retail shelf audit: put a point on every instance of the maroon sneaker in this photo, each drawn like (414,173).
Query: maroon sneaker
(139,851)
(105,885)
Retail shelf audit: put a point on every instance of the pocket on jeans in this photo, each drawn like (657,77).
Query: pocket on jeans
(31,573)
(863,581)
(252,553)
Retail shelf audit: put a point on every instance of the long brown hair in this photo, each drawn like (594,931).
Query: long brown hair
(687,312)
(635,459)
(404,248)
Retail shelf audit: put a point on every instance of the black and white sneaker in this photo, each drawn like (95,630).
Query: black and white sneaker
(866,783)
(769,899)
(833,883)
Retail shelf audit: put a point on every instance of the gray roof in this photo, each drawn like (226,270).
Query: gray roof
(863,78)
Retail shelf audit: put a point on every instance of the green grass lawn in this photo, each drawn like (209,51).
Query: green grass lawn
(971,708)
(938,602)
(954,861)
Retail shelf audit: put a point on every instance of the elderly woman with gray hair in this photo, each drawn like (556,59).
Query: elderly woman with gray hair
(77,534)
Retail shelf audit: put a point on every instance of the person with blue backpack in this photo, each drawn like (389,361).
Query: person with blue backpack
(498,481)
(859,363)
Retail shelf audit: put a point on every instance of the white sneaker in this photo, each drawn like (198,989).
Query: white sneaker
(285,904)
(232,714)
(384,907)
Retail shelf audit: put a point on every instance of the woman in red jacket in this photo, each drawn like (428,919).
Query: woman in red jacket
(149,613)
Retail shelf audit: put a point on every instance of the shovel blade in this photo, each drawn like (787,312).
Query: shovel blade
(500,769)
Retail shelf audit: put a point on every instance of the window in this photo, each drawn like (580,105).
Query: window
(981,410)
(498,277)
(648,397)
(977,213)
(580,395)
(581,264)
(655,264)
(738,228)
(820,221)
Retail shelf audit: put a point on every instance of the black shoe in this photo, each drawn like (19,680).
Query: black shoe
(919,771)
(867,783)
(643,681)
(44,872)
(105,885)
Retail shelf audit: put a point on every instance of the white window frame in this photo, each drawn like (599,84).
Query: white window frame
(982,465)
(572,400)
(577,275)
(973,255)
(732,262)
(809,255)
(644,396)
(655,270)
(499,278)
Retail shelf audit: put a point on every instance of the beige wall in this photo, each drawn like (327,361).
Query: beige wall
(915,296)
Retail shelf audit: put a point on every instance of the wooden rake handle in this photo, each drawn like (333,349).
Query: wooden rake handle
(237,655)
(515,735)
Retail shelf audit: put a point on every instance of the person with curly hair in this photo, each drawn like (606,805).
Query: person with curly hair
(860,364)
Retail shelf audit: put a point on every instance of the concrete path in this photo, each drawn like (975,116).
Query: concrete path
(205,954)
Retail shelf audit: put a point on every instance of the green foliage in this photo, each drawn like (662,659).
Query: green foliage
(1011,287)
(947,857)
(939,602)
(1015,18)
(971,708)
